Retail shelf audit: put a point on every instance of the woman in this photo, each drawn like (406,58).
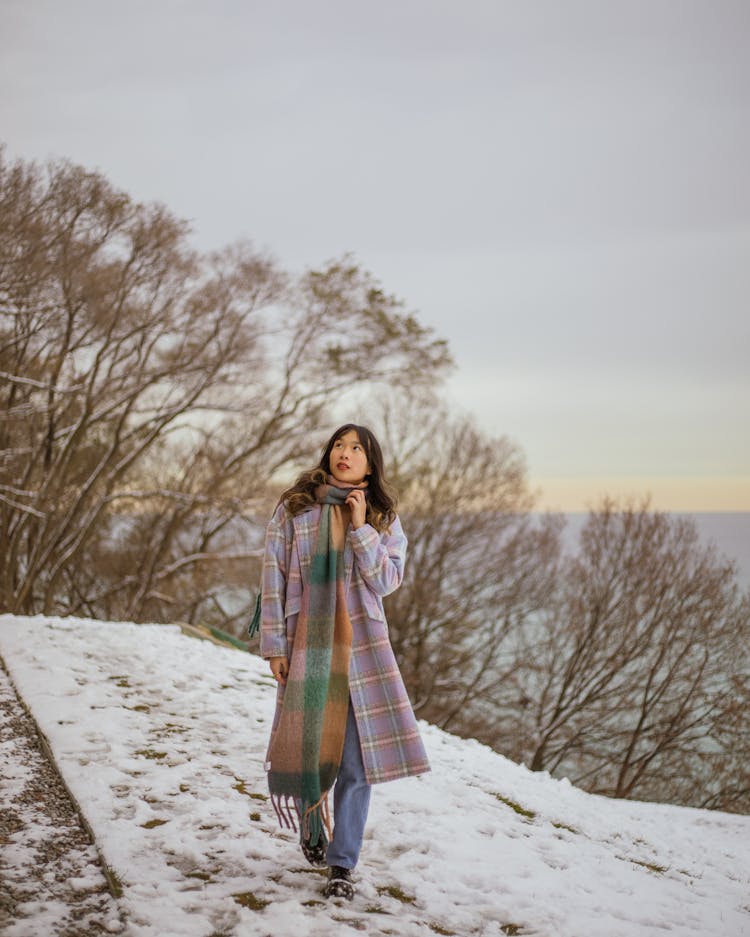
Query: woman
(334,548)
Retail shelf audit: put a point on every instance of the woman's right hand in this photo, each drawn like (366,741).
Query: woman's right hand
(279,668)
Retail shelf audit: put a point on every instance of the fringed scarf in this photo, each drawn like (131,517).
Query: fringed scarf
(305,751)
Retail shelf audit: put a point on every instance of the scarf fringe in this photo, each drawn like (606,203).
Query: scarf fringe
(286,810)
(315,821)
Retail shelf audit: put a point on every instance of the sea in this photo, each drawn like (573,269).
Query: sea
(728,531)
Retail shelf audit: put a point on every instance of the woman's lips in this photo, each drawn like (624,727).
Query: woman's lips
(343,466)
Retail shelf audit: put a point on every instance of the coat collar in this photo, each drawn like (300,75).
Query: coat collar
(305,530)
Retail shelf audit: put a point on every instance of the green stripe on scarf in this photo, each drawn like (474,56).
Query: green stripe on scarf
(305,751)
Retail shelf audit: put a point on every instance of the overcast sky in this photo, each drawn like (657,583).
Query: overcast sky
(560,188)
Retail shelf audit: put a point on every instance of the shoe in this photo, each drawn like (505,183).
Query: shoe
(315,855)
(340,883)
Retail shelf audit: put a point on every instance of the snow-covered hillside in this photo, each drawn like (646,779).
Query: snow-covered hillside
(161,738)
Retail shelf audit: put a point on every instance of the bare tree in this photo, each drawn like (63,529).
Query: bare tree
(624,666)
(621,683)
(718,775)
(149,392)
(478,563)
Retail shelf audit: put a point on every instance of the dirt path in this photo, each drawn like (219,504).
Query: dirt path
(51,881)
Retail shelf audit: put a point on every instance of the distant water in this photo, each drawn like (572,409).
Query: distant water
(729,532)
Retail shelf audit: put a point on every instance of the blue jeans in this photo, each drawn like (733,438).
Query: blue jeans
(351,801)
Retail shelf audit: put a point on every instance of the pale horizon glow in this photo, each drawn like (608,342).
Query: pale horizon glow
(672,494)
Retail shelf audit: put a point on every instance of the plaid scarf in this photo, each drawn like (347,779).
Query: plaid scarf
(305,751)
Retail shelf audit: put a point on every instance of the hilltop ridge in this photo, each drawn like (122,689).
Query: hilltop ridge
(161,739)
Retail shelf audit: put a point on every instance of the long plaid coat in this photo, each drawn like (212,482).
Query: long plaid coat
(374,566)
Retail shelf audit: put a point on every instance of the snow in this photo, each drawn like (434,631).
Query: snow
(161,738)
(49,871)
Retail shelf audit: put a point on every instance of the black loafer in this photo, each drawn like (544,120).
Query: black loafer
(340,883)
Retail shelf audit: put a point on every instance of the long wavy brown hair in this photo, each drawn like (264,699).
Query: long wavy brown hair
(381,497)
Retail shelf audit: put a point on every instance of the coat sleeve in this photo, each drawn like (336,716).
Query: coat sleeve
(273,640)
(380,558)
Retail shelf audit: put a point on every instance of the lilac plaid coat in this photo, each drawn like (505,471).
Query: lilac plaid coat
(374,564)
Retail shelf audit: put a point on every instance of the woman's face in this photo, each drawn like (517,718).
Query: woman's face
(348,462)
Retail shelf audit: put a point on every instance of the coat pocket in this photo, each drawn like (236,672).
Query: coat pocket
(373,605)
(292,605)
